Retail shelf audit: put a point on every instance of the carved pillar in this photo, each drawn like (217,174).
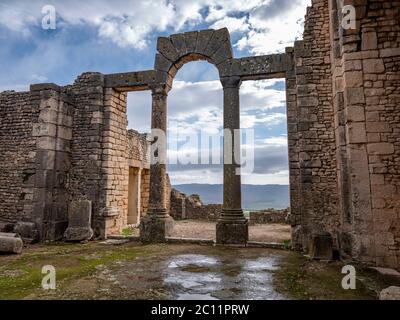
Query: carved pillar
(156,226)
(232,227)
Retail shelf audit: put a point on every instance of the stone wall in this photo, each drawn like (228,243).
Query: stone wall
(145,192)
(86,175)
(139,157)
(316,199)
(270,216)
(366,87)
(344,147)
(190,207)
(138,149)
(17,155)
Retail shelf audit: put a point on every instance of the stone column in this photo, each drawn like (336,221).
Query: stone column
(157,224)
(232,227)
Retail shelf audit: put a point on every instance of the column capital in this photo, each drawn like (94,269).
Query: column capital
(231,82)
(160,89)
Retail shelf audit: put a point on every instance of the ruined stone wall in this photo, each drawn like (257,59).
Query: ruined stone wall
(366,86)
(138,149)
(17,155)
(115,161)
(316,198)
(35,136)
(269,216)
(145,192)
(86,177)
(190,207)
(53,132)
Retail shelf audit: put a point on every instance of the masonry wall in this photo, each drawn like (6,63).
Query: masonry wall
(86,176)
(313,155)
(366,86)
(17,155)
(115,163)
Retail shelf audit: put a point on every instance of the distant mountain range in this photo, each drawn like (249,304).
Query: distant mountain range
(254,197)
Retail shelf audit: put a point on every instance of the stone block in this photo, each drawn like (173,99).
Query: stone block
(369,41)
(79,221)
(353,79)
(391,293)
(232,232)
(382,148)
(219,37)
(378,126)
(191,41)
(155,229)
(202,41)
(373,66)
(178,40)
(389,52)
(27,231)
(10,243)
(321,246)
(6,227)
(354,96)
(223,54)
(162,63)
(356,132)
(167,49)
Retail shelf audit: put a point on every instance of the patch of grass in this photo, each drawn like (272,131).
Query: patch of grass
(303,279)
(127,232)
(287,244)
(22,276)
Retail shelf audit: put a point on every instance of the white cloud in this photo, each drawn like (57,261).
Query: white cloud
(233,24)
(274,26)
(276,141)
(132,23)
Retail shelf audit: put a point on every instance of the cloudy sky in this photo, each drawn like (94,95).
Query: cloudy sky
(120,36)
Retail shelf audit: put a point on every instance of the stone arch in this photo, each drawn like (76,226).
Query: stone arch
(178,49)
(173,52)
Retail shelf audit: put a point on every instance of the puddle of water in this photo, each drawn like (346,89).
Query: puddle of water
(187,259)
(193,276)
(264,263)
(188,296)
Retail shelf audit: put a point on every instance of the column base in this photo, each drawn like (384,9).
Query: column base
(155,228)
(232,231)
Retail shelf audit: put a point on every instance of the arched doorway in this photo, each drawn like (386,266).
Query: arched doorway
(173,53)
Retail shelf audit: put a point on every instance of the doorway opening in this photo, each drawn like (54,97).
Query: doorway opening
(265,184)
(195,167)
(139,125)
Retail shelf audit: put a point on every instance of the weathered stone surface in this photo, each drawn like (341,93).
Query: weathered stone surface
(232,232)
(191,41)
(217,39)
(391,293)
(79,221)
(167,49)
(27,231)
(6,227)
(321,247)
(179,43)
(131,81)
(269,216)
(203,39)
(155,229)
(10,244)
(190,207)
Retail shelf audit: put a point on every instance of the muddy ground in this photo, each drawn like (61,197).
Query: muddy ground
(111,270)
